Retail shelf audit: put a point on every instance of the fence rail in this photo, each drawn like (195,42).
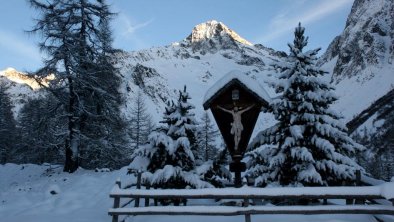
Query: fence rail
(384,191)
(233,211)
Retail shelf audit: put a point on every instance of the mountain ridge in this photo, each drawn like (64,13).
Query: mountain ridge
(196,63)
(211,50)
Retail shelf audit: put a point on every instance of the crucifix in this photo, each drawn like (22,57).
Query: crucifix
(236,125)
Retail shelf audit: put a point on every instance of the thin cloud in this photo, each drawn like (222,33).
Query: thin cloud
(127,32)
(13,43)
(285,22)
(129,27)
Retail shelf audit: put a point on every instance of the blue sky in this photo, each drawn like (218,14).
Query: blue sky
(148,23)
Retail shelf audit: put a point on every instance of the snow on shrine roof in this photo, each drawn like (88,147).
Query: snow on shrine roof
(248,83)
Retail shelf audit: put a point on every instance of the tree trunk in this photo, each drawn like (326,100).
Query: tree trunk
(206,137)
(72,143)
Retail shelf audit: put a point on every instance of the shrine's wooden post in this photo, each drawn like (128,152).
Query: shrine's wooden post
(235,102)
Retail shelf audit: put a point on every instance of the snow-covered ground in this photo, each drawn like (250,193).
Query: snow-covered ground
(34,193)
(25,194)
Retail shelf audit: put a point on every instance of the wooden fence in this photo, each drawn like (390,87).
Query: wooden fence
(246,195)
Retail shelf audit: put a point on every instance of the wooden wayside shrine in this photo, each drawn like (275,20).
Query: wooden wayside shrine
(236,101)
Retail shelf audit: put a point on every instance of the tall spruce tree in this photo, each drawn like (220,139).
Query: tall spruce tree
(8,130)
(141,123)
(206,135)
(77,42)
(312,147)
(168,158)
(212,161)
(42,132)
(381,165)
(182,122)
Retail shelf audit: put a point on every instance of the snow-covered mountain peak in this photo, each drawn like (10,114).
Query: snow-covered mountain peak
(212,36)
(19,77)
(214,29)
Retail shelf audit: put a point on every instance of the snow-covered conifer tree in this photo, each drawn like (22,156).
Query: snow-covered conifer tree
(206,134)
(8,130)
(42,131)
(168,158)
(76,38)
(381,165)
(312,147)
(212,161)
(141,122)
(183,122)
(215,170)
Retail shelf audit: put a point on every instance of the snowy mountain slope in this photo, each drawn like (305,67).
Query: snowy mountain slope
(20,87)
(361,60)
(204,56)
(368,118)
(21,78)
(198,61)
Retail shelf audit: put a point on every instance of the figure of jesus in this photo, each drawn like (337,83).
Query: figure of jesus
(236,125)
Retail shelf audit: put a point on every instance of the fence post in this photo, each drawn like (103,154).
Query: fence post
(146,198)
(348,201)
(137,199)
(247,216)
(358,177)
(118,183)
(155,199)
(358,183)
(116,201)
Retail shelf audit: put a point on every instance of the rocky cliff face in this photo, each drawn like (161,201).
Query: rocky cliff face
(361,65)
(367,40)
(361,60)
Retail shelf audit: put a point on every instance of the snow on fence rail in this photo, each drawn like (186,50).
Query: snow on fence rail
(383,191)
(370,181)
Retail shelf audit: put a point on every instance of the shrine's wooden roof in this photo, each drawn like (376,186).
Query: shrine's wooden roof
(243,81)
